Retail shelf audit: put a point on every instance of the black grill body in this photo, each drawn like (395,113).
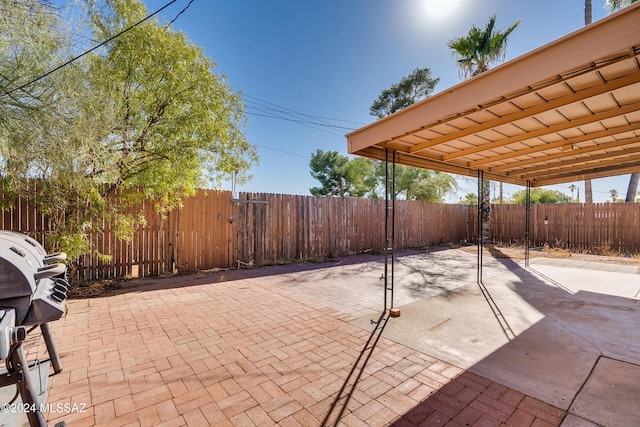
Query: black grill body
(33,292)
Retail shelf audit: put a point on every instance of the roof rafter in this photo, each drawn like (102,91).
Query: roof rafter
(531,112)
(546,131)
(558,144)
(576,164)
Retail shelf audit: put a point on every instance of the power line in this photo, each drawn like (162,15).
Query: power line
(303,123)
(70,61)
(308,124)
(180,13)
(283,151)
(271,82)
(291,119)
(265,112)
(306,115)
(262,108)
(296,117)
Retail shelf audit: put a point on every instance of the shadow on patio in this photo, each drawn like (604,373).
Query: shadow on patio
(572,350)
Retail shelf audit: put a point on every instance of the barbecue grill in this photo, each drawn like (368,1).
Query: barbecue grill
(33,292)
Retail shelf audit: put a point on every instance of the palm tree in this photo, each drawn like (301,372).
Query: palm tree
(476,53)
(572,187)
(613,6)
(614,195)
(481,48)
(633,187)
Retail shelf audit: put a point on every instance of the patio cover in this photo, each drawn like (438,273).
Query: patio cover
(567,111)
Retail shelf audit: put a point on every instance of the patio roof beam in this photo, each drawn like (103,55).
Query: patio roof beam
(375,152)
(511,98)
(529,112)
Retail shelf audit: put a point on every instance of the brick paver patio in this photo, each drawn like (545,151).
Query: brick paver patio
(227,349)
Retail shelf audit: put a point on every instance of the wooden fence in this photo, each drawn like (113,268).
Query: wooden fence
(214,230)
(598,228)
(276,227)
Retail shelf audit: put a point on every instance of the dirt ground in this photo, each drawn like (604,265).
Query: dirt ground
(517,252)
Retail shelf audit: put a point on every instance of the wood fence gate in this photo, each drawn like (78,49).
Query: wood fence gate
(204,231)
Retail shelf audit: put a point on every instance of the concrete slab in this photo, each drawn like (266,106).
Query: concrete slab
(542,337)
(575,421)
(610,396)
(620,283)
(356,288)
(589,265)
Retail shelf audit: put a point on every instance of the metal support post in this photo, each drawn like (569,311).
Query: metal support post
(480,211)
(389,232)
(386,227)
(527,226)
(393,312)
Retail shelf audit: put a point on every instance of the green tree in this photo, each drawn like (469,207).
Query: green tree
(476,53)
(173,115)
(615,5)
(144,117)
(361,174)
(572,188)
(540,195)
(36,117)
(412,88)
(614,195)
(419,184)
(481,48)
(340,176)
(411,183)
(469,199)
(30,44)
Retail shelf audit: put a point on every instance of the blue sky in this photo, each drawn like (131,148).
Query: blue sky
(324,62)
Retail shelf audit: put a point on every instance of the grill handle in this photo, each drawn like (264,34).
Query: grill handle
(55,258)
(49,271)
